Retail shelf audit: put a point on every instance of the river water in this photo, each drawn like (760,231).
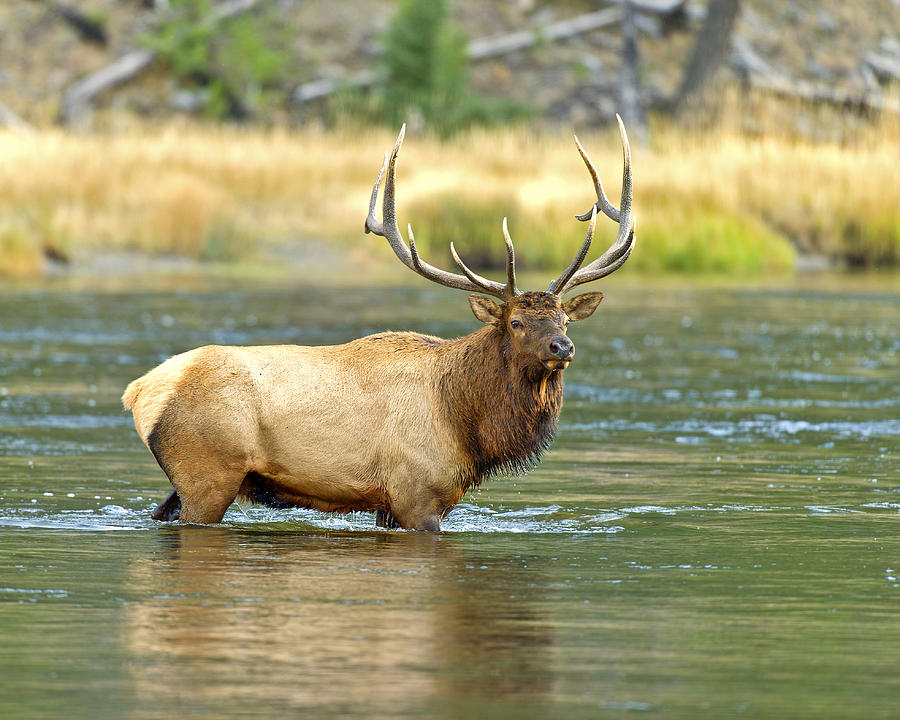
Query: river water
(715,533)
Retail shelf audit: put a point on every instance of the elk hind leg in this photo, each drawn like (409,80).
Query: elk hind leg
(204,485)
(206,477)
(207,492)
(169,509)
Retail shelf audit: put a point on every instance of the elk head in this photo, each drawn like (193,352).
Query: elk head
(535,322)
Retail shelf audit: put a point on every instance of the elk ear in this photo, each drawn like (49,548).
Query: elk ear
(485,309)
(582,306)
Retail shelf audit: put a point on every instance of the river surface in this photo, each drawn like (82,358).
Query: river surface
(715,533)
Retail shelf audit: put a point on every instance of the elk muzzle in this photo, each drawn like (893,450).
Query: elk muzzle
(561,351)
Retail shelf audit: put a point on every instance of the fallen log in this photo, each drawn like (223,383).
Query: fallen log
(328,86)
(886,67)
(80,95)
(810,92)
(482,48)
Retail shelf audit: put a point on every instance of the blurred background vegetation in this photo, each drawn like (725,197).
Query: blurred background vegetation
(765,134)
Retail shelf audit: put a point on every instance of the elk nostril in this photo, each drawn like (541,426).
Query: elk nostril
(561,348)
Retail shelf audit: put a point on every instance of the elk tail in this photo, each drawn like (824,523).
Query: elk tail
(131,393)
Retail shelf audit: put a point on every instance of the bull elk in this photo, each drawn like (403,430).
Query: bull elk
(398,423)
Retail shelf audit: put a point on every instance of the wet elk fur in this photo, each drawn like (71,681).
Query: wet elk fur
(399,423)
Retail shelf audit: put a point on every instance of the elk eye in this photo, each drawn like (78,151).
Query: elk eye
(515,324)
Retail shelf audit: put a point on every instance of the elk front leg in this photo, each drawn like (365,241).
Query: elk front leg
(384,519)
(429,523)
(420,514)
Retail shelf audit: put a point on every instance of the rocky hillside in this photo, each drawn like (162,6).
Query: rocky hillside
(849,51)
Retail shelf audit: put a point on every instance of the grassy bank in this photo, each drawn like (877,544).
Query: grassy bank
(717,202)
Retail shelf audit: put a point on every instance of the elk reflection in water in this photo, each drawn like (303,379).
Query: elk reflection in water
(389,622)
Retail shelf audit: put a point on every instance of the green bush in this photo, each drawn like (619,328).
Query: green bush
(471,223)
(426,77)
(238,63)
(709,240)
(424,59)
(873,243)
(20,250)
(544,239)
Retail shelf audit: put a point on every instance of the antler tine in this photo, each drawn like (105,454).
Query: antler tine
(408,255)
(510,289)
(602,270)
(510,263)
(611,263)
(474,277)
(416,260)
(373,224)
(387,228)
(603,204)
(619,251)
(579,258)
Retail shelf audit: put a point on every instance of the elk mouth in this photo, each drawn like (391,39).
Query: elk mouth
(556,363)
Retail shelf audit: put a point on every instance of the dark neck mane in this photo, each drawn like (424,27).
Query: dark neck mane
(505,414)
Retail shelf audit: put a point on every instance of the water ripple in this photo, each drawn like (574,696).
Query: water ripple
(465,518)
(691,431)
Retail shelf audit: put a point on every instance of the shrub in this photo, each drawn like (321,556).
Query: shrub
(708,240)
(472,223)
(20,253)
(426,77)
(235,63)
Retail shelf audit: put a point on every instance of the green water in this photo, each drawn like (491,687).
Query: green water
(714,534)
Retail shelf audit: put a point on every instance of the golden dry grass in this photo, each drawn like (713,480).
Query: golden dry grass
(717,201)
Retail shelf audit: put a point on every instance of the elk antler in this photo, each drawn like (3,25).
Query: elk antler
(618,252)
(409,256)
